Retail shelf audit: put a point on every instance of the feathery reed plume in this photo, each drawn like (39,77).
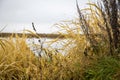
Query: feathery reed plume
(1,40)
(83,26)
(86,31)
(111,17)
(3,28)
(33,27)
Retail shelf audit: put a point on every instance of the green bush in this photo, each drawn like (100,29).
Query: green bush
(106,68)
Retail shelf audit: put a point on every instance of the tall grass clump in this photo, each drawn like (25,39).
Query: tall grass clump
(93,35)
(17,62)
(98,28)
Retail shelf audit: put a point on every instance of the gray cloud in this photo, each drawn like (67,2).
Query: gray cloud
(38,11)
(34,10)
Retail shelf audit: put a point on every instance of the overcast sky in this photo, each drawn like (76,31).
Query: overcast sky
(19,14)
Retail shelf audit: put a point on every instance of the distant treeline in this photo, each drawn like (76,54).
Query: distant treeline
(41,35)
(28,35)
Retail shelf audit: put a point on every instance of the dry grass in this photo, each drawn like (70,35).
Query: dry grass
(83,54)
(18,62)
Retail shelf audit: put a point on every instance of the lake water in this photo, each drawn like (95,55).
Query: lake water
(57,45)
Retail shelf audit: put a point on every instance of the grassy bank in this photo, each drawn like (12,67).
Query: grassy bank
(87,57)
(18,62)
